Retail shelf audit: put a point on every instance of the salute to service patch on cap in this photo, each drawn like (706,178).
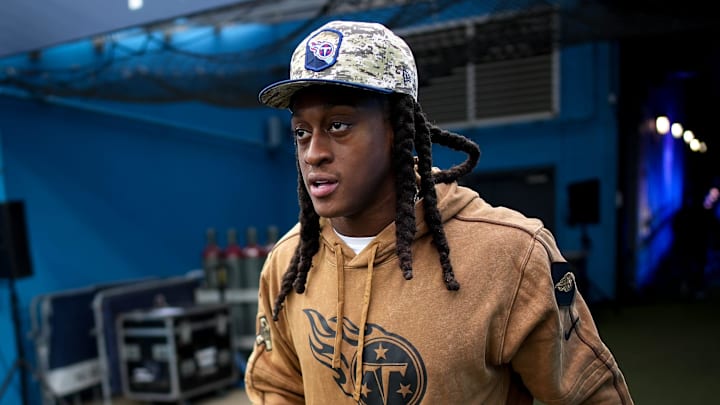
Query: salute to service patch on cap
(348,53)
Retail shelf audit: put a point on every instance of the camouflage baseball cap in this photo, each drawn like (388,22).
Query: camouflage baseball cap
(348,53)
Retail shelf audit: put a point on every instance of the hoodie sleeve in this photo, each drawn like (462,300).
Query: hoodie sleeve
(551,339)
(273,374)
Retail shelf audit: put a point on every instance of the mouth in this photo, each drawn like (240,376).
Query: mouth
(319,188)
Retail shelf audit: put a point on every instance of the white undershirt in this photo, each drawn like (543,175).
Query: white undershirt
(356,243)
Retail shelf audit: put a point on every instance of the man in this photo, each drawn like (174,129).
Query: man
(398,286)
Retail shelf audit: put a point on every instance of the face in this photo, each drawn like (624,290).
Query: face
(344,142)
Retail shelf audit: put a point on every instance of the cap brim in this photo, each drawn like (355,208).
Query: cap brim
(278,95)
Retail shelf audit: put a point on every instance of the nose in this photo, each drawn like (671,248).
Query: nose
(318,150)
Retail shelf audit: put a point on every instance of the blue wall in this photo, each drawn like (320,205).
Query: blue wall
(111,197)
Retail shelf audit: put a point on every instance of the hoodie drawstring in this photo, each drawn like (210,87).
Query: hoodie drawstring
(339,261)
(363,323)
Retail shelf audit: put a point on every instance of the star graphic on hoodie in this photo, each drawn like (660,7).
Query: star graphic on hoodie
(404,390)
(380,352)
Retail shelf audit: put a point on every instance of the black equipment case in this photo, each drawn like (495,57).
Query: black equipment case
(176,353)
(109,304)
(62,330)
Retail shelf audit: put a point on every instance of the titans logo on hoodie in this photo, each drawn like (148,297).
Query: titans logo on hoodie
(392,370)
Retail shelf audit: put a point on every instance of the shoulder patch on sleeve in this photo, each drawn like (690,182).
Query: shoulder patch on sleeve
(264,337)
(564,281)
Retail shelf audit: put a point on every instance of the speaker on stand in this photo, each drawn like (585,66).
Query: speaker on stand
(15,263)
(584,207)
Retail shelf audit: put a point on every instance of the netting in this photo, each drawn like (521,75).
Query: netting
(149,66)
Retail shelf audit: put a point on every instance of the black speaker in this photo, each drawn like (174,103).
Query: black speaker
(584,202)
(14,247)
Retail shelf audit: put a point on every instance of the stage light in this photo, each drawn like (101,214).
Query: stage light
(688,136)
(694,145)
(662,125)
(676,129)
(135,4)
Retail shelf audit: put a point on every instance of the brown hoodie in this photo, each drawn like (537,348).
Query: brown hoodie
(517,320)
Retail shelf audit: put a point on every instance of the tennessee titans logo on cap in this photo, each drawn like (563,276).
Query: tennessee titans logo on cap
(322,50)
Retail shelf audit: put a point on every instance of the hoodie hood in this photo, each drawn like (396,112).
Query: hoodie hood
(451,200)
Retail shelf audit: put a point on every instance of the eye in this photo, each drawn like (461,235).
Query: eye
(338,127)
(300,133)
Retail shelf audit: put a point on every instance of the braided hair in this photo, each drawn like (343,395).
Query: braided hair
(412,131)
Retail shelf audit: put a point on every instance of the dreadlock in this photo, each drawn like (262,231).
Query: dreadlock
(412,131)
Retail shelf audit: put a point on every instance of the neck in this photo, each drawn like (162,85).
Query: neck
(364,227)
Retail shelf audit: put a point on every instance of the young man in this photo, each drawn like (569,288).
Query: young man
(398,286)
